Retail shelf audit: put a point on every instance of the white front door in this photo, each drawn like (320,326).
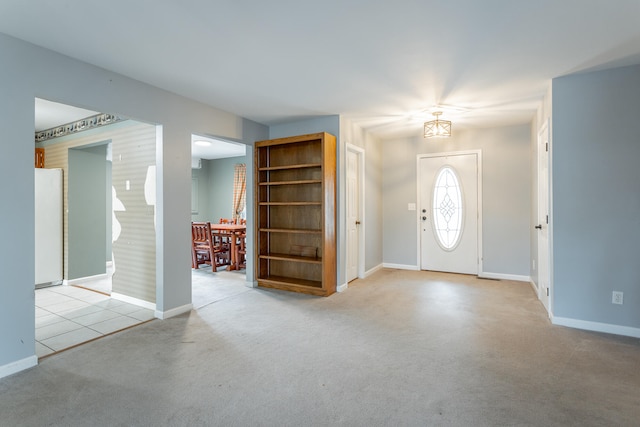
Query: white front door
(543,217)
(448,186)
(353,215)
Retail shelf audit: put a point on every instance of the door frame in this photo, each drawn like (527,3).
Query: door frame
(478,154)
(544,132)
(360,153)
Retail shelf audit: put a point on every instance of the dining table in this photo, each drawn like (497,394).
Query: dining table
(233,231)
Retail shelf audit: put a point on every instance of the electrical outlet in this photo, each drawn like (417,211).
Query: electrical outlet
(617,297)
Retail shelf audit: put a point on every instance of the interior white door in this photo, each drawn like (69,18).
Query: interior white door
(543,217)
(353,215)
(449,213)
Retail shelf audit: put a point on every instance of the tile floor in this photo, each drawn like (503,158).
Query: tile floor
(69,315)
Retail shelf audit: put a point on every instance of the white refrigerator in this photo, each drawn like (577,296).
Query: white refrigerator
(48,227)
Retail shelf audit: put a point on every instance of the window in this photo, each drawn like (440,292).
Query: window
(447,209)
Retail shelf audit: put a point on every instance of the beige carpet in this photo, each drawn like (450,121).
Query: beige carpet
(399,349)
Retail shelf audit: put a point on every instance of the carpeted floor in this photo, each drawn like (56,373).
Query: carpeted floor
(400,348)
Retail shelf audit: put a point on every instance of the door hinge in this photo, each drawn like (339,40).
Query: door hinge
(547,291)
(546,146)
(547,219)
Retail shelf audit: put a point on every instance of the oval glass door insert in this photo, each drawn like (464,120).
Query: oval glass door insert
(447,209)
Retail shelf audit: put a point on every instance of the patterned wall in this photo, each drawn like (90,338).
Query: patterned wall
(133,160)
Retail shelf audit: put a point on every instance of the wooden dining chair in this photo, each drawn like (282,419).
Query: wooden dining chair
(203,248)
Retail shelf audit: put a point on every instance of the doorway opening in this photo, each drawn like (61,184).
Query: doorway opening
(107,282)
(219,169)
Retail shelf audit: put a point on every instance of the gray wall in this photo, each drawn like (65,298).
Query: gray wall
(87,215)
(215,192)
(221,173)
(596,195)
(29,71)
(202,176)
(506,195)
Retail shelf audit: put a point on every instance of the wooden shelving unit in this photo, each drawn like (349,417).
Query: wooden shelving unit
(296,213)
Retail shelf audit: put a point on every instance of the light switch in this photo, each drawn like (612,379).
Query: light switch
(412,206)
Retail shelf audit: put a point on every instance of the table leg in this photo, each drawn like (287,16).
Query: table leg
(233,263)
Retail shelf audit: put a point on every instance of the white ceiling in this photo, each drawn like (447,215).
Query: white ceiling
(383,64)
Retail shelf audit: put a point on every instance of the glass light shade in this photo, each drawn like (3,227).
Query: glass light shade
(437,128)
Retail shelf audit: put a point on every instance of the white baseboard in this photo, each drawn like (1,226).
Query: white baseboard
(534,286)
(373,270)
(81,280)
(597,326)
(134,301)
(173,312)
(401,266)
(342,288)
(253,284)
(18,365)
(501,276)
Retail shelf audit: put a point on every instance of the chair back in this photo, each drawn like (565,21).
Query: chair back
(200,233)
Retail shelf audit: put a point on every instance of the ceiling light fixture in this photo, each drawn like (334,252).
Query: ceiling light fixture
(437,127)
(203,143)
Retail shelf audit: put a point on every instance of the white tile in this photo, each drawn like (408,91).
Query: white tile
(69,339)
(93,297)
(67,305)
(50,298)
(97,317)
(58,328)
(42,350)
(110,303)
(65,290)
(125,308)
(142,314)
(78,312)
(114,324)
(42,312)
(49,319)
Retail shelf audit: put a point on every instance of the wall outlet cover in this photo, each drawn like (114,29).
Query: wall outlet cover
(617,297)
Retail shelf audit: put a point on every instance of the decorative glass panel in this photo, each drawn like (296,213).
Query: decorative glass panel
(447,208)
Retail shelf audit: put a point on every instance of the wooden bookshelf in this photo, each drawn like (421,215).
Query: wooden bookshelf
(296,213)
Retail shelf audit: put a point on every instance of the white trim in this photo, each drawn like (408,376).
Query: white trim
(361,193)
(81,280)
(597,326)
(109,264)
(251,283)
(173,312)
(401,266)
(478,154)
(501,276)
(18,365)
(373,270)
(134,301)
(342,288)
(534,286)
